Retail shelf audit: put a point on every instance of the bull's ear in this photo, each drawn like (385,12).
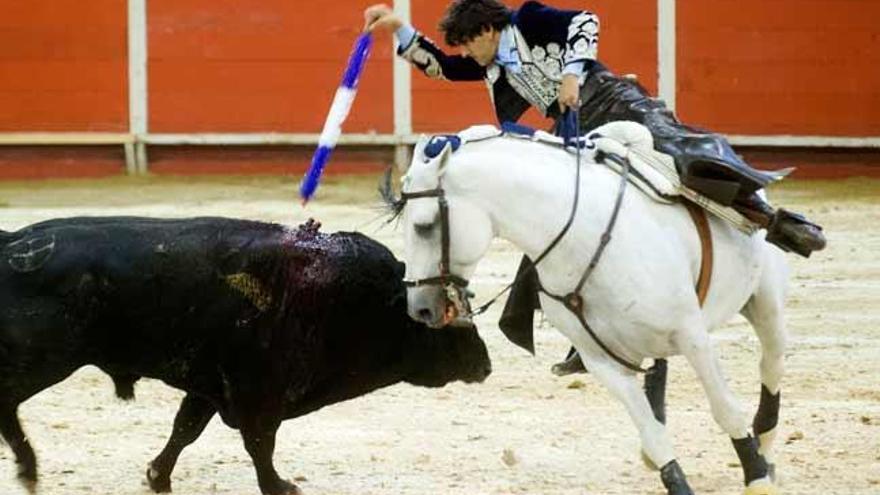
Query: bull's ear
(397,298)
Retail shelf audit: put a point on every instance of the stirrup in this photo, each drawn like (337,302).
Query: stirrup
(793,232)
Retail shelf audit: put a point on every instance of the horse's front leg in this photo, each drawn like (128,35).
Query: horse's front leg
(624,386)
(694,343)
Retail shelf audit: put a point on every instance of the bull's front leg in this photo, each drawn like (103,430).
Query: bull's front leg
(258,433)
(193,416)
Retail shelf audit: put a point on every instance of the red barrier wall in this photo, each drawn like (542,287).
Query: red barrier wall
(800,67)
(782,67)
(258,66)
(63,65)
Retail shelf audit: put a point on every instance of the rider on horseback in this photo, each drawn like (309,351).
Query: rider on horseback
(544,57)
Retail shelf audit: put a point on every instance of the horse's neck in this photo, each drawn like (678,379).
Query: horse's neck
(528,191)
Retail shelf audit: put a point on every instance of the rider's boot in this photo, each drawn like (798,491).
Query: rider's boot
(788,230)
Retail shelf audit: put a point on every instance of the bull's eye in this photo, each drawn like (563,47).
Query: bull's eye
(423,229)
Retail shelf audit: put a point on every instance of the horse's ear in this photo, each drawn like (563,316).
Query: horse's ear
(443,159)
(419,149)
(434,152)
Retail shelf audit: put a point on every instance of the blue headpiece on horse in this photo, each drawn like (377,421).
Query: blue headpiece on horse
(437,143)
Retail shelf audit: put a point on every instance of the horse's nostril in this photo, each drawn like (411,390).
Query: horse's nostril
(425,315)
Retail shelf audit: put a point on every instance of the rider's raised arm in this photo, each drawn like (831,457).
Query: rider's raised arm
(430,59)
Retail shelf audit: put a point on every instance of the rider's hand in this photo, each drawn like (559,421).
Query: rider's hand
(381,16)
(569,92)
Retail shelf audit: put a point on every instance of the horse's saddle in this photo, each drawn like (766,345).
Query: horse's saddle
(652,172)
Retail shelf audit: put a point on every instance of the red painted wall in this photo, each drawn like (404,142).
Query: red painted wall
(805,67)
(744,66)
(63,65)
(801,67)
(258,66)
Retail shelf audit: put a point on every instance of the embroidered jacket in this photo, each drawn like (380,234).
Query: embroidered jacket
(535,50)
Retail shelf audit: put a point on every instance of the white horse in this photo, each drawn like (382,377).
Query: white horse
(639,300)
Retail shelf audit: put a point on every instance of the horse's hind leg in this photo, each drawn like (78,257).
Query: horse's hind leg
(190,421)
(765,311)
(12,433)
(694,343)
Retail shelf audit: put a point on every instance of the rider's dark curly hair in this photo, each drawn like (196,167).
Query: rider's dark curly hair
(466,19)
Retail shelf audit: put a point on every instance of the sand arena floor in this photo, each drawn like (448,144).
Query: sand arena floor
(524,431)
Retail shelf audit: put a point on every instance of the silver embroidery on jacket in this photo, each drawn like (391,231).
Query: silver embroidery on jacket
(541,75)
(583,38)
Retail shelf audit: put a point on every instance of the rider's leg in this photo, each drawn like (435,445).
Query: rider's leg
(706,161)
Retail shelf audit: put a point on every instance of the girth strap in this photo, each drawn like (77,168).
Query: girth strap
(698,215)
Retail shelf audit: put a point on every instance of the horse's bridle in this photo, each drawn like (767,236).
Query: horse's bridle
(455,287)
(458,309)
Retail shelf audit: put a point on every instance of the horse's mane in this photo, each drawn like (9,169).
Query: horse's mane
(392,205)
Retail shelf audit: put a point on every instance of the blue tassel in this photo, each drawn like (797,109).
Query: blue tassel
(338,112)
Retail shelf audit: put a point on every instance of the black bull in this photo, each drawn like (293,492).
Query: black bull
(256,322)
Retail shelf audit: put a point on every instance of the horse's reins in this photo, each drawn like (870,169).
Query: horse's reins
(571,301)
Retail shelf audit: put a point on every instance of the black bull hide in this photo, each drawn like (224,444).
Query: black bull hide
(255,321)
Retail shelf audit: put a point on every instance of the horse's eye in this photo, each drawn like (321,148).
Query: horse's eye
(423,229)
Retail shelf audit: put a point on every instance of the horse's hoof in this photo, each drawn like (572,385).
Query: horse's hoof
(157,482)
(761,489)
(648,462)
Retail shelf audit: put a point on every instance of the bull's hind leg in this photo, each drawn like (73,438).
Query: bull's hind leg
(14,436)
(765,311)
(694,343)
(190,421)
